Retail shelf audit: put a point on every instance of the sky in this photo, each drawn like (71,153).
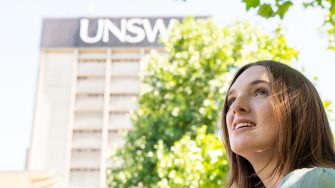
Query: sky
(20,33)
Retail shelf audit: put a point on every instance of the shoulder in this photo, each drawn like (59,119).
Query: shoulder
(309,177)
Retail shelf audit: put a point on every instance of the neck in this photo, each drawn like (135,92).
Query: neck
(264,168)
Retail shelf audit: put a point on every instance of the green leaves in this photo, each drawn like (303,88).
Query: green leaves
(265,10)
(273,8)
(200,162)
(282,9)
(327,104)
(314,3)
(251,3)
(268,10)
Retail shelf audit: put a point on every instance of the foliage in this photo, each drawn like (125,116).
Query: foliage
(273,8)
(183,89)
(327,104)
(193,163)
(328,107)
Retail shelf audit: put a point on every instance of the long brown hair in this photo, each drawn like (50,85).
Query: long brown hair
(304,138)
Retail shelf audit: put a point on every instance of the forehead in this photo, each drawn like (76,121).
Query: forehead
(250,75)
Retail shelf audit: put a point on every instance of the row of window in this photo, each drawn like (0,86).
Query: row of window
(89,107)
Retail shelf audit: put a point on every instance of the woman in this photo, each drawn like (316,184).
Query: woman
(276,130)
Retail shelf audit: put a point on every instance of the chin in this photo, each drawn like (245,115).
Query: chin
(239,148)
(250,151)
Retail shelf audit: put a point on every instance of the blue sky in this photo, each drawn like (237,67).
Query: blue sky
(20,37)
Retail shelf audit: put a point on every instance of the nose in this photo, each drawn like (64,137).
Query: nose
(240,105)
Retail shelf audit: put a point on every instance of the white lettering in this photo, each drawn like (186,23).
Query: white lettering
(159,27)
(135,29)
(153,32)
(118,33)
(84,31)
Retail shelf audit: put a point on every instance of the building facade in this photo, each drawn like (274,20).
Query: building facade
(87,87)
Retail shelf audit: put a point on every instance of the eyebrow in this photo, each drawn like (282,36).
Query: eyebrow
(255,82)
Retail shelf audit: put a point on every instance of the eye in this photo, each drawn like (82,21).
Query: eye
(230,101)
(261,92)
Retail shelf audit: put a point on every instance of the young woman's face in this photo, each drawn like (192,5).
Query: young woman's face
(250,122)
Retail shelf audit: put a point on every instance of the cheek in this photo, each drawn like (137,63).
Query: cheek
(229,120)
(269,114)
(264,111)
(268,121)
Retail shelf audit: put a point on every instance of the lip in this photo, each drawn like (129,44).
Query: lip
(237,121)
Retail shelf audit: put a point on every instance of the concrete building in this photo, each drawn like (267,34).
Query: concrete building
(88,84)
(28,180)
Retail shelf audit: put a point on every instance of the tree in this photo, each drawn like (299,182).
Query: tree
(328,107)
(201,162)
(183,90)
(268,9)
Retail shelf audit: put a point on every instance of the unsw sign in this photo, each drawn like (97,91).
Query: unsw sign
(105,32)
